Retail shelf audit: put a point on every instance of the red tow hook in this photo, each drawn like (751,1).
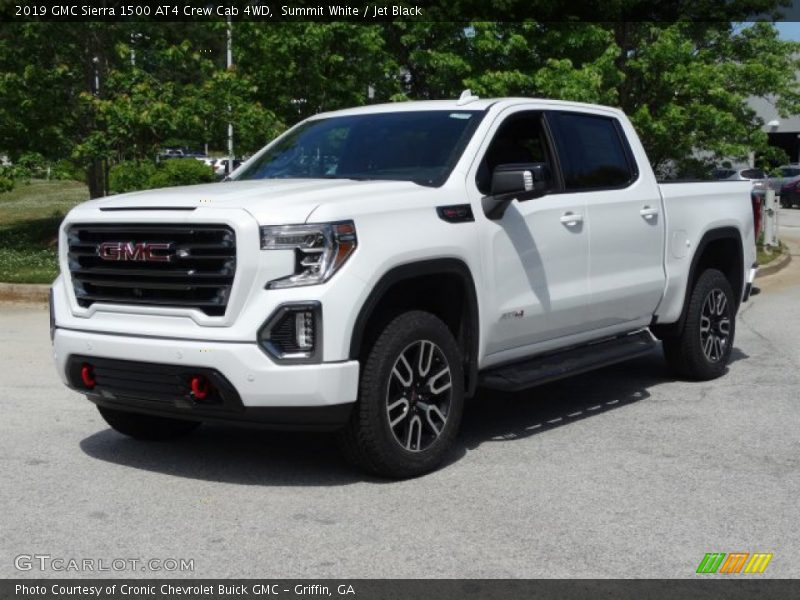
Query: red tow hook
(87,376)
(200,387)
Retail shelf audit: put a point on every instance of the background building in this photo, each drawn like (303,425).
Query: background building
(783,132)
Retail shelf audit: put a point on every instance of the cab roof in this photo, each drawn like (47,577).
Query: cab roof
(469,104)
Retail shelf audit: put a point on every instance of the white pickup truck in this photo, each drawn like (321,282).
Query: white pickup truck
(371,267)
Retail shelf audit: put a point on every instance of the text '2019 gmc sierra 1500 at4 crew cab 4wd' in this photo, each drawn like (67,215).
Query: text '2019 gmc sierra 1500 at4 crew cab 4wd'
(370,267)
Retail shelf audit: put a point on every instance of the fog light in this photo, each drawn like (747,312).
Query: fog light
(293,333)
(304,329)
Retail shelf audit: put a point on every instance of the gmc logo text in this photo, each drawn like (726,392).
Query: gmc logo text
(130,251)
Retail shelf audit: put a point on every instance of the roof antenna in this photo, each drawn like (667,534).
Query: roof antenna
(466,97)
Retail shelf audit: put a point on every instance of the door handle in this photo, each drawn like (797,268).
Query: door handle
(571,219)
(648,213)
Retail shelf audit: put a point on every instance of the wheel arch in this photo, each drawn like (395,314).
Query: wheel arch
(399,289)
(720,248)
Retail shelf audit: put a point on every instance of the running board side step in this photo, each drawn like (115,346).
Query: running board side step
(549,367)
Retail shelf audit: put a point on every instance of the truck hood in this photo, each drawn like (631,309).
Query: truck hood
(270,201)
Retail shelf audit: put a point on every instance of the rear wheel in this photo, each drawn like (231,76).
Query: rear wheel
(146,427)
(411,397)
(703,349)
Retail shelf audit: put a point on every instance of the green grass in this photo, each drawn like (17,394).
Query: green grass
(29,218)
(765,255)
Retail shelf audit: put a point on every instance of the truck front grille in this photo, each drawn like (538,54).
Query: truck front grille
(186,266)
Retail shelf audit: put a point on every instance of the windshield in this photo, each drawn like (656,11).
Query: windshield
(789,172)
(418,146)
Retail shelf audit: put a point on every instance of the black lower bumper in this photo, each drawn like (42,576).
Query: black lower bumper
(166,390)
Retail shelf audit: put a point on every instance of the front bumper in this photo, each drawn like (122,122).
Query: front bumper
(310,396)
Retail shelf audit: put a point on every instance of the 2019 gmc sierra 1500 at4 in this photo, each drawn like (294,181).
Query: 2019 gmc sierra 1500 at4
(370,267)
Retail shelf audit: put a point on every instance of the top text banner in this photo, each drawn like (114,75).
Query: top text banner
(366,12)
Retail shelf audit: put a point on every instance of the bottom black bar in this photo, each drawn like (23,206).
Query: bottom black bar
(399,589)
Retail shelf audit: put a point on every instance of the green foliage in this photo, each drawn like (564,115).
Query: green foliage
(557,60)
(684,83)
(770,159)
(301,68)
(685,87)
(15,172)
(11,175)
(67,169)
(181,171)
(131,175)
(31,161)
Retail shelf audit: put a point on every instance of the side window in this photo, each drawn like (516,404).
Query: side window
(520,139)
(591,151)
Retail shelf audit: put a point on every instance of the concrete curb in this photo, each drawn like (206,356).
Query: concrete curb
(774,265)
(24,292)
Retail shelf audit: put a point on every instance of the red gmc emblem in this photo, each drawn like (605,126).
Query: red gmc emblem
(135,251)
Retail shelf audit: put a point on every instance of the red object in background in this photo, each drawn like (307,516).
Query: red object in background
(87,376)
(757,201)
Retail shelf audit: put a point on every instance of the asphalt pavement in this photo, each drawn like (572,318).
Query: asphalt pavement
(619,473)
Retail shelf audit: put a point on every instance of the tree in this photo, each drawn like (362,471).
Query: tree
(298,69)
(554,60)
(684,84)
(685,87)
(89,97)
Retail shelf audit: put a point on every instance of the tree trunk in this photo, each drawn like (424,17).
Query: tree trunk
(95,179)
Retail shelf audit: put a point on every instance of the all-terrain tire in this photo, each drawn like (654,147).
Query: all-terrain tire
(392,430)
(703,349)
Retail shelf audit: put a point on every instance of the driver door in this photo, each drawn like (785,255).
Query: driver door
(536,256)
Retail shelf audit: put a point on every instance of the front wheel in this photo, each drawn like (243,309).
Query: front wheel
(702,351)
(146,427)
(411,397)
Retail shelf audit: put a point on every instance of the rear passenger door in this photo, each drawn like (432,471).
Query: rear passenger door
(624,218)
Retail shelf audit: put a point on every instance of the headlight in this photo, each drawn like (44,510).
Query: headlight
(320,250)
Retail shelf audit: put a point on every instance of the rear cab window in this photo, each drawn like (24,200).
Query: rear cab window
(592,151)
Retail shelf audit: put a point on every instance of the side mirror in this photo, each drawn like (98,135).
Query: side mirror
(519,178)
(522,181)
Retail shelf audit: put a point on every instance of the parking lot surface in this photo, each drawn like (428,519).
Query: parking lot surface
(619,473)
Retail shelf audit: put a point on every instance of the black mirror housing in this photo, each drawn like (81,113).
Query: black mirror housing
(522,181)
(515,178)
